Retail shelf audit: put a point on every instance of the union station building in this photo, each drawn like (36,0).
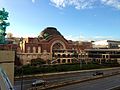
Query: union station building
(52,47)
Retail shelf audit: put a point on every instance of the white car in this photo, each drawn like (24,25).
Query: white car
(38,82)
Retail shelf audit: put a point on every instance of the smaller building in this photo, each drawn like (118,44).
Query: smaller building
(103,55)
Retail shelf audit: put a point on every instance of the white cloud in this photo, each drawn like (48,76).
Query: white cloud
(103,38)
(71,37)
(90,38)
(59,3)
(78,4)
(113,3)
(84,4)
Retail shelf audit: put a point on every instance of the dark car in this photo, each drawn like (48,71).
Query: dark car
(98,73)
(38,82)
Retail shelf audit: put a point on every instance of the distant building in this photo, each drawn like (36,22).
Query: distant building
(103,55)
(106,44)
(12,43)
(51,46)
(103,51)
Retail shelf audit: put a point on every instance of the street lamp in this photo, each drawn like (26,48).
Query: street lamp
(80,64)
(21,45)
(21,77)
(80,61)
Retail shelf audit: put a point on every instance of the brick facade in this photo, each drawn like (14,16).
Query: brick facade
(48,43)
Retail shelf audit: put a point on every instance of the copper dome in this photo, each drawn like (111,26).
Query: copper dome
(50,31)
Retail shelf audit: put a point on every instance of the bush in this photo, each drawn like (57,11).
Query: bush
(37,61)
(27,69)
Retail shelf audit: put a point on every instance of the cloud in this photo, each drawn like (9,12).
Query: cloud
(82,37)
(84,4)
(78,4)
(33,1)
(103,37)
(113,3)
(71,37)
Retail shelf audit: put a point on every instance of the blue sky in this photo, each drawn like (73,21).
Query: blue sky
(75,19)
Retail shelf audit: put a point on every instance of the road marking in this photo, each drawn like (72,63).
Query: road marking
(114,88)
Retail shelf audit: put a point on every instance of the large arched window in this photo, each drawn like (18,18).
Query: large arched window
(57,46)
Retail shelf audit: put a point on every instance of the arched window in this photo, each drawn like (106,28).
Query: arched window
(64,61)
(34,49)
(28,49)
(68,55)
(68,60)
(64,55)
(59,55)
(57,46)
(39,49)
(58,60)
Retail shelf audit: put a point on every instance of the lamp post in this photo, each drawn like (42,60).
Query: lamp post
(80,61)
(21,40)
(80,64)
(21,78)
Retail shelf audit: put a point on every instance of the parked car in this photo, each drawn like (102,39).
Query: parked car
(38,82)
(98,73)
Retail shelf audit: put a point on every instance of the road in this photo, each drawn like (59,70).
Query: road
(54,79)
(26,84)
(99,84)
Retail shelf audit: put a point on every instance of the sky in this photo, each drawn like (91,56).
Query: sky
(74,19)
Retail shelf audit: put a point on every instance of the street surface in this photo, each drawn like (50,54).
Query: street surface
(55,79)
(99,84)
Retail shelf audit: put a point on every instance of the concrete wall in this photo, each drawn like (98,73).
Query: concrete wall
(7,63)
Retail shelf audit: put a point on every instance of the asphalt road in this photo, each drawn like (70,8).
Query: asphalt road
(99,84)
(26,84)
(54,79)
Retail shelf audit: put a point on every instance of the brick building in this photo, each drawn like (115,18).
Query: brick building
(51,46)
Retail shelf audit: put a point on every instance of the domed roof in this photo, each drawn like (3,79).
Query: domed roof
(49,31)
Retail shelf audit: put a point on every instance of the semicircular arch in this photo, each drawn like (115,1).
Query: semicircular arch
(57,45)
